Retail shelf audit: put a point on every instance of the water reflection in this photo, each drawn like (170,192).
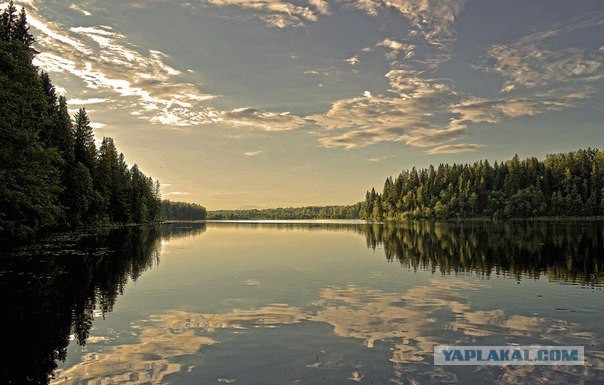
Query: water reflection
(51,292)
(564,251)
(409,322)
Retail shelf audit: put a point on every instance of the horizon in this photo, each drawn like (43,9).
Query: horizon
(255,105)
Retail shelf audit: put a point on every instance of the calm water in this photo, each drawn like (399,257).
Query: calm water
(302,303)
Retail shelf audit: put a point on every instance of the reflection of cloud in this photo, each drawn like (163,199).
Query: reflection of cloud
(174,334)
(146,362)
(372,315)
(411,322)
(252,153)
(240,319)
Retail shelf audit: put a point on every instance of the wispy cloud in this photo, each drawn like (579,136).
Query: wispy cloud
(97,125)
(406,115)
(422,112)
(268,121)
(454,148)
(277,13)
(80,102)
(477,110)
(431,19)
(354,60)
(397,48)
(176,193)
(381,158)
(252,153)
(75,7)
(104,61)
(532,62)
(142,81)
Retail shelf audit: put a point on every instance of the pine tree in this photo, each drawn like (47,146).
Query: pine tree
(21,30)
(84,146)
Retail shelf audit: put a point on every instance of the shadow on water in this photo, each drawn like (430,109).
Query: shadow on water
(51,291)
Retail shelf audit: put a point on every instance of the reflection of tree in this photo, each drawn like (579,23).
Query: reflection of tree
(182,230)
(52,290)
(565,251)
(333,225)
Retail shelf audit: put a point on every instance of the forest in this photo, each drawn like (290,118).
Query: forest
(182,211)
(308,212)
(52,175)
(565,184)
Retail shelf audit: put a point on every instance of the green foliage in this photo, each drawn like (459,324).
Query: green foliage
(182,211)
(51,173)
(569,184)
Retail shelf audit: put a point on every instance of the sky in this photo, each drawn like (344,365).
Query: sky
(237,104)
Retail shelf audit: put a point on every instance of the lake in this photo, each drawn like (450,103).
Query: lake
(304,302)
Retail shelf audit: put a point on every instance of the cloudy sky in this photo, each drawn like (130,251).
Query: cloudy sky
(272,103)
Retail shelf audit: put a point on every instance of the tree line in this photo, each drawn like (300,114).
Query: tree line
(182,211)
(308,212)
(564,184)
(52,175)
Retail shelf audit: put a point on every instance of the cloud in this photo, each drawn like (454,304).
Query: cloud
(431,19)
(353,60)
(106,62)
(252,153)
(397,48)
(381,158)
(268,121)
(477,110)
(532,62)
(423,112)
(140,81)
(77,101)
(277,13)
(79,9)
(321,6)
(177,193)
(454,148)
(97,125)
(406,115)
